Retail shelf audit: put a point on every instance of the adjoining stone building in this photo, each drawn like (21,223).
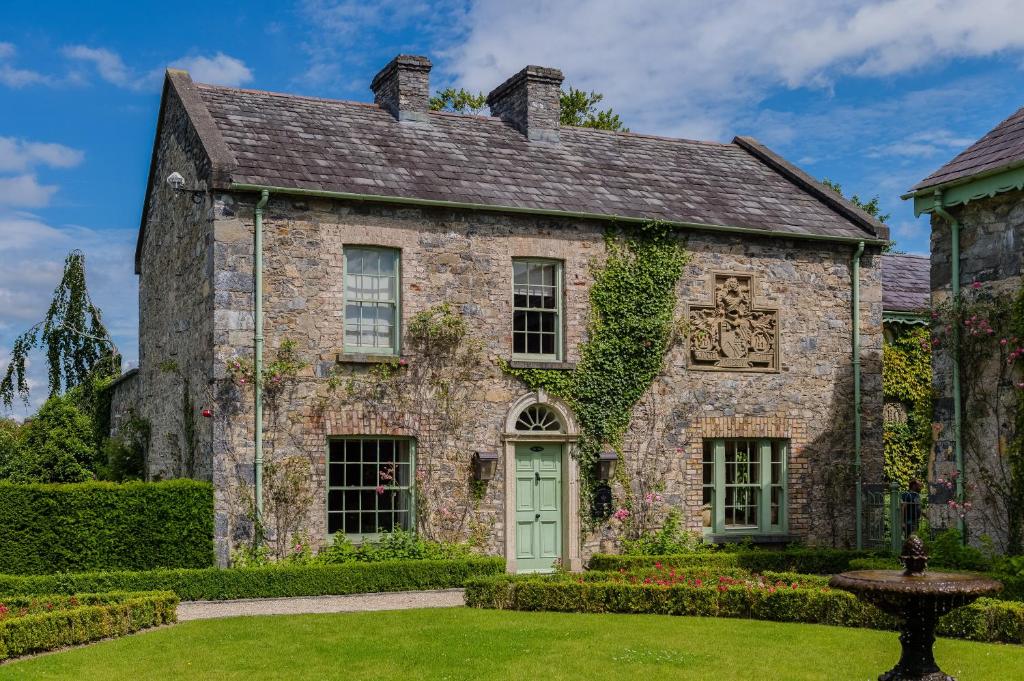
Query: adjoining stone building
(976,204)
(372,214)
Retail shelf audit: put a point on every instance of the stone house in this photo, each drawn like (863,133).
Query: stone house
(976,204)
(366,217)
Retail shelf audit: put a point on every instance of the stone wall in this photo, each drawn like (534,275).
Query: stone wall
(176,305)
(991,253)
(464,258)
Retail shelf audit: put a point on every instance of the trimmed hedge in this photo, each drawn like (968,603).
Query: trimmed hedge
(95,617)
(985,620)
(266,582)
(803,560)
(46,529)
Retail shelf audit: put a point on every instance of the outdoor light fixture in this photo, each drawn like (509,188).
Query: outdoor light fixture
(177,183)
(484,465)
(606,461)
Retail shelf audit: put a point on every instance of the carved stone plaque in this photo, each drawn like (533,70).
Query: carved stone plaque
(894,412)
(731,334)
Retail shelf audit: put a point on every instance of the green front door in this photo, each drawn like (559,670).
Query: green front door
(538,506)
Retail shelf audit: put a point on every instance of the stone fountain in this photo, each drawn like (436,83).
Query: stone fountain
(918,599)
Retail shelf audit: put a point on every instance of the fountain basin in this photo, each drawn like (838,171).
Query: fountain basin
(918,600)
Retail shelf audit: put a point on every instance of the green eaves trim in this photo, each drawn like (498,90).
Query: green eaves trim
(909,318)
(977,187)
(409,201)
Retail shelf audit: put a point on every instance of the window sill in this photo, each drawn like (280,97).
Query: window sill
(541,364)
(754,537)
(363,358)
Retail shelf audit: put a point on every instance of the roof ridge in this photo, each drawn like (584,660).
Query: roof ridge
(459,115)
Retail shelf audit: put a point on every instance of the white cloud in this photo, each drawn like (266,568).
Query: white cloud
(688,66)
(34,253)
(109,64)
(19,155)
(220,69)
(346,35)
(25,191)
(12,76)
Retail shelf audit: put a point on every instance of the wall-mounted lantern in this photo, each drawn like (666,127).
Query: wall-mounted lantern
(606,461)
(484,465)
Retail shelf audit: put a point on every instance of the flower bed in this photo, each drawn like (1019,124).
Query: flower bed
(33,625)
(266,582)
(782,597)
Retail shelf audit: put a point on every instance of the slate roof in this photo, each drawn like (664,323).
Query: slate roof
(1002,146)
(279,140)
(906,283)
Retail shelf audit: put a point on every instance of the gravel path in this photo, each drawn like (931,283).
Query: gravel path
(401,600)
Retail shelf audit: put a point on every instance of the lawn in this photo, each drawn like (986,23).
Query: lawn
(486,644)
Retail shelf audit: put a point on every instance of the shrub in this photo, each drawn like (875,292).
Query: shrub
(57,445)
(672,538)
(802,560)
(946,549)
(396,545)
(59,622)
(804,600)
(102,526)
(279,580)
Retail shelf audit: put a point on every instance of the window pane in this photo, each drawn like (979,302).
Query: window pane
(519,273)
(533,344)
(334,523)
(547,346)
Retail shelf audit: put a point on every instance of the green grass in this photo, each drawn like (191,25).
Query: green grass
(486,644)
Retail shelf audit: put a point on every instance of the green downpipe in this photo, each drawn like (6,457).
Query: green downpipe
(258,352)
(958,445)
(855,273)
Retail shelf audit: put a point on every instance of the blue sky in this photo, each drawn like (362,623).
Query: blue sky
(872,94)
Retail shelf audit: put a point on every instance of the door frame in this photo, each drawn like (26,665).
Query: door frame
(570,502)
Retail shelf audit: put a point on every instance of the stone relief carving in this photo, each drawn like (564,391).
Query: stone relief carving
(894,412)
(731,334)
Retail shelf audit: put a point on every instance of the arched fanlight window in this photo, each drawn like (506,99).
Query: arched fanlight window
(538,417)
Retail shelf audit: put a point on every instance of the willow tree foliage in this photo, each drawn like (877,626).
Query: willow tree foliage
(72,336)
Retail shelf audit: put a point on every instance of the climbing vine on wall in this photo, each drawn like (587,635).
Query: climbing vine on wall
(907,379)
(631,326)
(432,387)
(986,326)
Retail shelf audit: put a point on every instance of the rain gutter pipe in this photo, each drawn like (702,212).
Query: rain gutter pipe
(855,273)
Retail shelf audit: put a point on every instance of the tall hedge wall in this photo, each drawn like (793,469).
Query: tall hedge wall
(105,526)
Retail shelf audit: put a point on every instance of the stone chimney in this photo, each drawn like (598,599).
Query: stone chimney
(403,87)
(529,101)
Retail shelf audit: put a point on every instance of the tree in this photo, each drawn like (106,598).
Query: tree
(56,445)
(77,343)
(871,207)
(577,108)
(458,101)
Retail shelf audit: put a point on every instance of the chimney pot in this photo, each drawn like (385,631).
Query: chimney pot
(403,87)
(530,101)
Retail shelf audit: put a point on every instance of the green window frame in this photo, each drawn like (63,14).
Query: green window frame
(537,293)
(745,486)
(370,486)
(372,300)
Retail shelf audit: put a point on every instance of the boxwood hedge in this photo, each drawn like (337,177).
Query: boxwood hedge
(808,602)
(88,617)
(265,582)
(48,528)
(803,560)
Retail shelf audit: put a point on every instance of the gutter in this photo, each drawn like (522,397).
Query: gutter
(549,212)
(939,209)
(857,468)
(258,354)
